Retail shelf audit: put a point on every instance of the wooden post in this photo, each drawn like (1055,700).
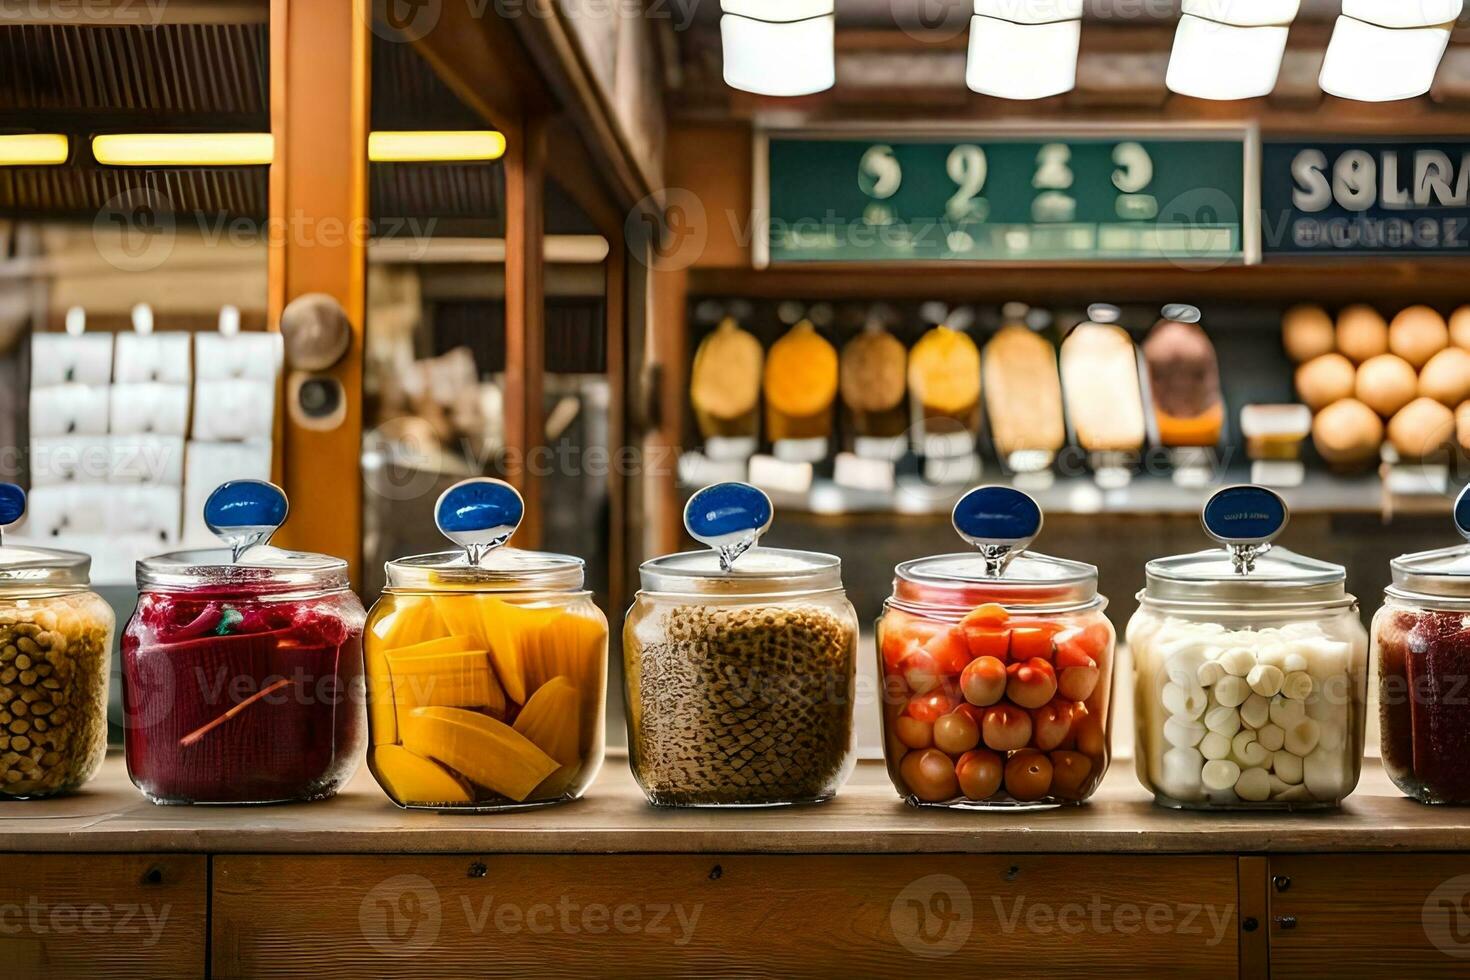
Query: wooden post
(615,302)
(525,319)
(320,88)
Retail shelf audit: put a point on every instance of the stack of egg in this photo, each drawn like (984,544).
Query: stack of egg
(1361,372)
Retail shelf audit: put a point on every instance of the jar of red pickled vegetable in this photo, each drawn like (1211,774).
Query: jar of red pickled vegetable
(242,667)
(1421,640)
(486,667)
(55,650)
(997,668)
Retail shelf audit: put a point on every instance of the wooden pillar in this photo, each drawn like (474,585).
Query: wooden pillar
(527,455)
(320,87)
(615,302)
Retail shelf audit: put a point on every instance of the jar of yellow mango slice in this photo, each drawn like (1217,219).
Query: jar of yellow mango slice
(486,667)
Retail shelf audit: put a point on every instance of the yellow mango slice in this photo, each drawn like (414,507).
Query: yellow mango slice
(454,680)
(444,645)
(382,719)
(461,615)
(551,719)
(483,750)
(413,620)
(511,630)
(410,778)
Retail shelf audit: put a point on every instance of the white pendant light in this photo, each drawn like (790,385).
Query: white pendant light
(1386,50)
(1229,49)
(1024,49)
(778,47)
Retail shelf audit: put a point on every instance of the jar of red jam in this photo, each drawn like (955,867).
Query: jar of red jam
(997,668)
(242,667)
(1421,642)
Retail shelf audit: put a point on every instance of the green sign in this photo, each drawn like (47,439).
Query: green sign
(1002,199)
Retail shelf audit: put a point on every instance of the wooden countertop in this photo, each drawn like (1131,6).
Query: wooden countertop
(866,817)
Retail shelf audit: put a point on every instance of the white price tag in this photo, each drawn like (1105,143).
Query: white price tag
(852,470)
(770,473)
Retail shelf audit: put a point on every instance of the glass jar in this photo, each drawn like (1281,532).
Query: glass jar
(486,668)
(739,675)
(55,651)
(242,671)
(1250,669)
(1421,642)
(997,668)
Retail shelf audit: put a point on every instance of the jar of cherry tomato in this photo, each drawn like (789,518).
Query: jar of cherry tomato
(242,667)
(997,668)
(1421,642)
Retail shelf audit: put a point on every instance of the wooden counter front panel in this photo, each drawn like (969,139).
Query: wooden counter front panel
(1370,915)
(102,915)
(745,915)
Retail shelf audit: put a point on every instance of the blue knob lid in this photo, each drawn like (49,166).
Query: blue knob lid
(1000,521)
(1462,512)
(728,517)
(12,504)
(479,515)
(245,513)
(1246,519)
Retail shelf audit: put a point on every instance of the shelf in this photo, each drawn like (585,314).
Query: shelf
(866,817)
(1320,493)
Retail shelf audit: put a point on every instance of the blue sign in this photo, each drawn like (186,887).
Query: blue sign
(997,516)
(479,514)
(1245,515)
(1365,197)
(245,513)
(12,504)
(728,517)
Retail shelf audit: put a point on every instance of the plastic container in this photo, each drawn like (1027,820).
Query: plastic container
(739,666)
(55,650)
(486,667)
(997,668)
(242,667)
(1250,669)
(1421,642)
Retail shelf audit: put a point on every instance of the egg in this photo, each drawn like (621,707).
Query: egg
(1446,378)
(980,773)
(1386,383)
(1421,429)
(956,733)
(1324,380)
(1462,425)
(1028,775)
(1307,332)
(1347,432)
(1460,328)
(929,775)
(1417,334)
(1361,333)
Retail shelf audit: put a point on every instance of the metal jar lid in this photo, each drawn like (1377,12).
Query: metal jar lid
(480,516)
(1439,574)
(730,518)
(31,570)
(1249,568)
(1000,522)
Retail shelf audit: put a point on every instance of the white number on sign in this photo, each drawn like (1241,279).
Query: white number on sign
(968,168)
(1053,172)
(879,174)
(1135,168)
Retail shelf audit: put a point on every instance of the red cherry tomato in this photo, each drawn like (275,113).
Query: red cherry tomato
(928,707)
(913,733)
(983,681)
(1091,740)
(1031,684)
(956,733)
(980,773)
(929,775)
(977,715)
(1006,728)
(1028,776)
(1069,774)
(1050,725)
(1078,683)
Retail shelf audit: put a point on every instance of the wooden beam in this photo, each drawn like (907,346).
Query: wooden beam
(319,209)
(525,318)
(478,56)
(135,13)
